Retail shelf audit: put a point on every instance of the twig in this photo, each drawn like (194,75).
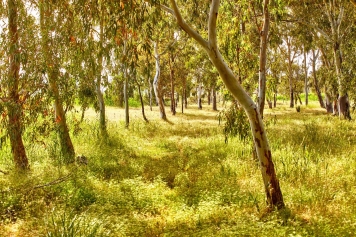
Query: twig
(56,181)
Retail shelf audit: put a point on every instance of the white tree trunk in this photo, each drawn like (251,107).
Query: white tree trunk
(271,183)
(156,84)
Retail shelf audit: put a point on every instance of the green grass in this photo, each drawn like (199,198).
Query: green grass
(181,179)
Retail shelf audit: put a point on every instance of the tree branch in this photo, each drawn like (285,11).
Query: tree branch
(308,24)
(213,16)
(56,181)
(195,35)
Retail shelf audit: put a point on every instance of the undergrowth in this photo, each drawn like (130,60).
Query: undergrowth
(181,179)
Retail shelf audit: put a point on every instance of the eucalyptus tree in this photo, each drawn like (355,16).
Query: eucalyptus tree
(157,86)
(315,55)
(11,86)
(326,18)
(290,52)
(54,18)
(210,46)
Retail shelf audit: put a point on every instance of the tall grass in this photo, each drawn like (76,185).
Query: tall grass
(181,179)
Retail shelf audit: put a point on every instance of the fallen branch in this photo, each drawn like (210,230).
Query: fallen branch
(54,182)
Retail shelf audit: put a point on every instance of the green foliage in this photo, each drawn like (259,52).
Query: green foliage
(181,179)
(235,123)
(71,225)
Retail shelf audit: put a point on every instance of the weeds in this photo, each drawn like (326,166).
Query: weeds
(181,179)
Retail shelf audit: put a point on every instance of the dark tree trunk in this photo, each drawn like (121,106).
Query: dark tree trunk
(316,83)
(215,108)
(291,93)
(14,106)
(173,103)
(328,103)
(126,96)
(344,106)
(209,96)
(183,92)
(142,104)
(306,78)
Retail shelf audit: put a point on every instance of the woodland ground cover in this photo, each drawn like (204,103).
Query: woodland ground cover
(179,178)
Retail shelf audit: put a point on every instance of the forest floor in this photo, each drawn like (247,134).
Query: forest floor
(180,178)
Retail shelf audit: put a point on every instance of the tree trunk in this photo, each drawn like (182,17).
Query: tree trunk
(52,69)
(142,104)
(328,103)
(316,83)
(335,22)
(199,92)
(290,72)
(215,108)
(183,91)
(126,98)
(344,106)
(272,189)
(184,96)
(263,59)
(209,96)
(156,84)
(173,104)
(14,106)
(150,94)
(99,93)
(306,77)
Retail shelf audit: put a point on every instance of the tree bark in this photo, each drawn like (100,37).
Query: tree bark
(209,96)
(156,84)
(316,83)
(14,105)
(328,103)
(99,93)
(199,92)
(215,108)
(290,73)
(141,100)
(263,59)
(52,70)
(335,23)
(173,103)
(306,77)
(126,96)
(271,183)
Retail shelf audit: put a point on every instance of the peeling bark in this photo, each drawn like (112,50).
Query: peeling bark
(14,105)
(67,148)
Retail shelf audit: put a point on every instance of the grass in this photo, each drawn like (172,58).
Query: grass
(181,179)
